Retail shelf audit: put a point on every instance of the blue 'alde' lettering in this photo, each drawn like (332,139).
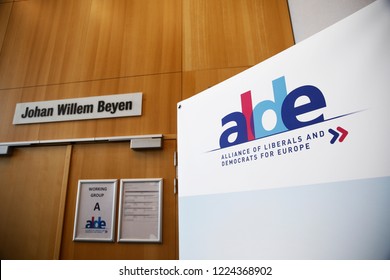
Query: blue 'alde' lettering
(284,106)
(99,223)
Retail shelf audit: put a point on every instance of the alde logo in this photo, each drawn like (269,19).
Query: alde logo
(99,223)
(288,113)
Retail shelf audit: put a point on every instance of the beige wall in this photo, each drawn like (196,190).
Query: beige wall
(311,16)
(169,50)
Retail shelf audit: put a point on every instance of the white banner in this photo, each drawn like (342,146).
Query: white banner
(290,159)
(321,105)
(98,107)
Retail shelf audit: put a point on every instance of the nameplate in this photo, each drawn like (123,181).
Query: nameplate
(98,107)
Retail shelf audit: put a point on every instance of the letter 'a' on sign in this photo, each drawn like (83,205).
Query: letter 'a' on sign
(237,131)
(95,210)
(97,207)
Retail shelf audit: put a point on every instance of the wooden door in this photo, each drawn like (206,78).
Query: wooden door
(32,189)
(118,161)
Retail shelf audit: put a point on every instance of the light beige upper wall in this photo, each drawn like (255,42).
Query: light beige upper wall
(311,16)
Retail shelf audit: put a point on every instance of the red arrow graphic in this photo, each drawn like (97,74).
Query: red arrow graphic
(344,133)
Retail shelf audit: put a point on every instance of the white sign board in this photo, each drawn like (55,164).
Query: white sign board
(95,210)
(140,210)
(98,107)
(290,158)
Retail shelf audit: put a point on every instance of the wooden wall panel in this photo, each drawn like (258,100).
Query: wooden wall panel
(233,33)
(30,189)
(9,132)
(197,81)
(62,41)
(5,11)
(160,96)
(116,161)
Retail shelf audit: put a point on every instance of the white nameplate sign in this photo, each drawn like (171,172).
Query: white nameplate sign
(98,107)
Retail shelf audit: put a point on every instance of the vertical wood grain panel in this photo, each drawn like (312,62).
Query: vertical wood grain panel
(116,160)
(5,11)
(153,37)
(30,202)
(197,81)
(9,132)
(62,202)
(61,41)
(233,33)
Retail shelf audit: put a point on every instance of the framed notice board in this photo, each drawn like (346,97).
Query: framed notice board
(140,210)
(95,210)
